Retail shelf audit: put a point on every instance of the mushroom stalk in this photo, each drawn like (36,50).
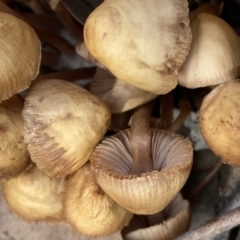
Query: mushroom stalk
(184,112)
(214,227)
(140,139)
(166,110)
(68,75)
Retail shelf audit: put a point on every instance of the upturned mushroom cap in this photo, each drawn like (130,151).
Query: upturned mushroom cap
(106,86)
(63,124)
(34,196)
(214,57)
(20,54)
(219,121)
(89,209)
(168,224)
(147,56)
(152,191)
(14,156)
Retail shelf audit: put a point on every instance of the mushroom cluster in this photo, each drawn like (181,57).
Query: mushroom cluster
(104,154)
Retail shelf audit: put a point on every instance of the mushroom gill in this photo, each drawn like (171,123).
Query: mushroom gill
(112,163)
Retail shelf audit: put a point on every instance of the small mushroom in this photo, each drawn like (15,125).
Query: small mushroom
(14,156)
(63,124)
(20,54)
(34,196)
(168,224)
(215,45)
(106,86)
(88,209)
(219,121)
(148,56)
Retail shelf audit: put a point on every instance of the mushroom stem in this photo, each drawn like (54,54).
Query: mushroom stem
(214,227)
(70,23)
(140,139)
(166,110)
(184,112)
(51,59)
(68,75)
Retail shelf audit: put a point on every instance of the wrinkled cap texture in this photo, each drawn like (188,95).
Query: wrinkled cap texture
(107,87)
(214,57)
(14,156)
(62,124)
(34,196)
(219,121)
(147,56)
(20,54)
(168,224)
(152,191)
(89,209)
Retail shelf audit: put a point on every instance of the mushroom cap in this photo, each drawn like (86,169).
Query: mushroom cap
(20,53)
(14,156)
(219,121)
(63,124)
(89,209)
(168,224)
(107,87)
(214,57)
(152,191)
(34,196)
(148,56)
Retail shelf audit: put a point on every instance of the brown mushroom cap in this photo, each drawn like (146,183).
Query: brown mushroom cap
(63,124)
(20,54)
(219,121)
(89,209)
(151,192)
(106,86)
(14,156)
(34,196)
(214,57)
(168,224)
(147,56)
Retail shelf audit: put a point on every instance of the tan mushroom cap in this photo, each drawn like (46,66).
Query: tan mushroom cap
(151,192)
(219,121)
(34,196)
(106,86)
(143,43)
(20,54)
(214,57)
(14,156)
(63,124)
(168,224)
(89,209)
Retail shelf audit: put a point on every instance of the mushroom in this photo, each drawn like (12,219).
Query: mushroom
(63,124)
(107,87)
(215,45)
(88,209)
(14,157)
(142,171)
(219,120)
(168,224)
(34,196)
(148,56)
(19,55)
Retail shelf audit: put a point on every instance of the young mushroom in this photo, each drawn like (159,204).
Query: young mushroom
(168,224)
(20,54)
(88,209)
(215,45)
(148,56)
(14,156)
(63,124)
(219,120)
(34,196)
